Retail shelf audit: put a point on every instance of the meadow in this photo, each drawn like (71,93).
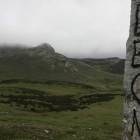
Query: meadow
(58,110)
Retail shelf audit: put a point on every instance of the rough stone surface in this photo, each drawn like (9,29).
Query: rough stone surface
(131,121)
(46,47)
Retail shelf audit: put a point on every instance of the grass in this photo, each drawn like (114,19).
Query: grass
(100,120)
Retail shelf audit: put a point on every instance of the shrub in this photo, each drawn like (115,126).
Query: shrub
(25,106)
(33,109)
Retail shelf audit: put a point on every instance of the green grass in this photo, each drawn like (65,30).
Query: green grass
(99,121)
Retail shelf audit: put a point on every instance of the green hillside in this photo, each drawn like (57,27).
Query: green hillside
(112,65)
(42,62)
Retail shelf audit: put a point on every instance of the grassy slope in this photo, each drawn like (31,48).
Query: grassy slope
(100,121)
(106,65)
(21,66)
(104,121)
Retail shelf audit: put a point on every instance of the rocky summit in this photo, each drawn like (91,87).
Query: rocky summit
(46,47)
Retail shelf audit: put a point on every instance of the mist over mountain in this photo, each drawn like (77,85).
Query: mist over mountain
(9,49)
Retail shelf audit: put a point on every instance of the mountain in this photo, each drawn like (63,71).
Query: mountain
(112,65)
(6,49)
(42,62)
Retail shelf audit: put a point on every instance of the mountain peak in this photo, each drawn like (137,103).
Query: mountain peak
(45,46)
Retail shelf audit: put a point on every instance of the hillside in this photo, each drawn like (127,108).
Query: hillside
(42,62)
(112,65)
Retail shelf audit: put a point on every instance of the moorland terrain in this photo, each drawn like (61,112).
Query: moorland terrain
(46,96)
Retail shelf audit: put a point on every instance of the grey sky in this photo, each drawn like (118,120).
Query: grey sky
(75,28)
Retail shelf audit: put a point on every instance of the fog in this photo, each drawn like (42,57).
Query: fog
(75,28)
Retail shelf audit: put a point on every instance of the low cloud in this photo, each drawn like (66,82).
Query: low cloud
(75,28)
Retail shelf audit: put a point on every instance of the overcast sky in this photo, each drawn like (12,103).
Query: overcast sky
(75,28)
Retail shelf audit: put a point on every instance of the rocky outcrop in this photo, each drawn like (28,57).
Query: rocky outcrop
(131,109)
(44,50)
(46,47)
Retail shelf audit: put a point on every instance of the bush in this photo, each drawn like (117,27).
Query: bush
(25,106)
(33,109)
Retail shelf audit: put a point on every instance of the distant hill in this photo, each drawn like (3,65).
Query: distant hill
(112,65)
(42,62)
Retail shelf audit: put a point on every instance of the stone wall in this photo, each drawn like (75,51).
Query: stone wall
(131,107)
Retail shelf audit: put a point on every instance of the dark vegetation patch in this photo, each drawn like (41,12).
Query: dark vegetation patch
(40,101)
(20,90)
(89,99)
(50,83)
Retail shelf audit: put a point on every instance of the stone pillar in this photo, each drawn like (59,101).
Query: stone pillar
(131,106)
